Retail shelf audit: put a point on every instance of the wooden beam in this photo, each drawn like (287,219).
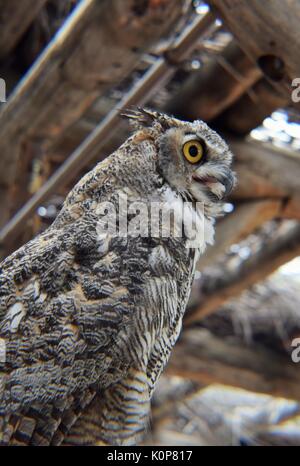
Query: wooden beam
(200,417)
(263,30)
(205,358)
(252,108)
(282,247)
(236,226)
(291,210)
(99,45)
(265,171)
(216,86)
(15,18)
(159,73)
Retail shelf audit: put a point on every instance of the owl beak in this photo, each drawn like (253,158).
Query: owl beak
(228,182)
(213,183)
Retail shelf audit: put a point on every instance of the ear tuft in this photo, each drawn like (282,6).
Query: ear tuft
(142,117)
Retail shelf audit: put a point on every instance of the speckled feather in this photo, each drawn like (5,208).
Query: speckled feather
(87,323)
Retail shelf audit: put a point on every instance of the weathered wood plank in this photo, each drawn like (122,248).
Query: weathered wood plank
(205,358)
(216,86)
(98,46)
(268,32)
(239,224)
(15,17)
(265,171)
(291,209)
(281,248)
(252,108)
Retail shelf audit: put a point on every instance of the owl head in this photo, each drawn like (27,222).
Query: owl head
(191,157)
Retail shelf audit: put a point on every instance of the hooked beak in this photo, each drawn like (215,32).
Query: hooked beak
(213,183)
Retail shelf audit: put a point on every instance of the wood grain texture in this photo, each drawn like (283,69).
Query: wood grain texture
(281,248)
(216,86)
(266,29)
(265,171)
(97,47)
(252,108)
(205,358)
(244,220)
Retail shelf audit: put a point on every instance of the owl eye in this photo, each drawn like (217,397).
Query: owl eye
(194,151)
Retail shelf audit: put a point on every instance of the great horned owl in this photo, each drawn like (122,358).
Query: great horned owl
(88,318)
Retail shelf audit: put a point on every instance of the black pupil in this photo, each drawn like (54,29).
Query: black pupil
(193,151)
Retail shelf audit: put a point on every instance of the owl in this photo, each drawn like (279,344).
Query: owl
(91,308)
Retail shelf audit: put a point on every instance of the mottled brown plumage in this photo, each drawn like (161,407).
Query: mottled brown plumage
(88,319)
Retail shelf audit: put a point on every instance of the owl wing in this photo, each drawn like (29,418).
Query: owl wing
(62,306)
(81,321)
(120,414)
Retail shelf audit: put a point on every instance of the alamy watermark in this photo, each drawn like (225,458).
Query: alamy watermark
(296,91)
(173,218)
(2,90)
(295,355)
(2,351)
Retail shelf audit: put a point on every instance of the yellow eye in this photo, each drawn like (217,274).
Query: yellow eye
(193,151)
